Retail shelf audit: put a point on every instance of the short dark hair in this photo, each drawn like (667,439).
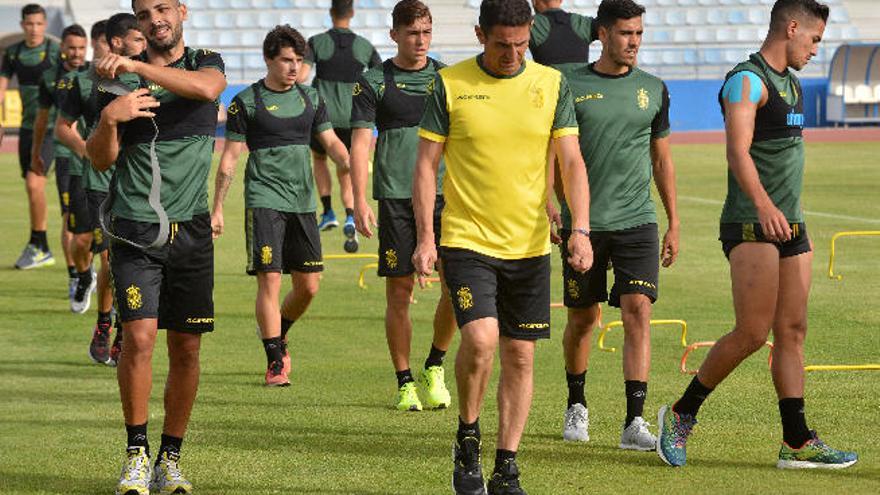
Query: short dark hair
(504,13)
(133,2)
(341,8)
(31,9)
(73,30)
(283,37)
(407,12)
(99,29)
(786,10)
(612,10)
(118,25)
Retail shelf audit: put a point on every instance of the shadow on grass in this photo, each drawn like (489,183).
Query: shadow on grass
(12,482)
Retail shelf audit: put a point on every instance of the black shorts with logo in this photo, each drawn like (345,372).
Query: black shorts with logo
(515,292)
(62,182)
(397,235)
(635,257)
(25,141)
(284,242)
(79,221)
(174,283)
(733,234)
(100,242)
(344,135)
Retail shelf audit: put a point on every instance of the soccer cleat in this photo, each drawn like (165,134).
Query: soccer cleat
(814,454)
(637,436)
(328,221)
(407,398)
(115,349)
(167,478)
(276,376)
(71,288)
(433,382)
(135,477)
(506,480)
(576,425)
(674,431)
(34,257)
(467,476)
(82,298)
(99,348)
(351,236)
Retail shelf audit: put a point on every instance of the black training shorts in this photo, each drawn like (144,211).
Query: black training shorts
(62,182)
(515,292)
(79,221)
(100,241)
(25,141)
(174,283)
(733,234)
(280,241)
(635,257)
(397,235)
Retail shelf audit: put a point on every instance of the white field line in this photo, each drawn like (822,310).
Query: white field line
(836,216)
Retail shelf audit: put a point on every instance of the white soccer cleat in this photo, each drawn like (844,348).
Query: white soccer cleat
(576,426)
(135,476)
(636,436)
(167,478)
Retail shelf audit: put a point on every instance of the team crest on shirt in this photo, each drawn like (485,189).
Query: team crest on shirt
(272,108)
(133,297)
(430,88)
(643,99)
(465,298)
(536,94)
(266,255)
(391,258)
(574,290)
(357,89)
(233,108)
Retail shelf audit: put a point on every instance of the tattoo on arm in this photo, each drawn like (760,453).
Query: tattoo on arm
(224,180)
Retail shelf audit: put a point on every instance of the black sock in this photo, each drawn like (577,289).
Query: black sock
(285,326)
(137,436)
(85,277)
(404,377)
(170,445)
(435,357)
(38,238)
(576,388)
(467,430)
(349,212)
(104,317)
(71,271)
(274,349)
(794,425)
(692,399)
(502,456)
(325,202)
(636,392)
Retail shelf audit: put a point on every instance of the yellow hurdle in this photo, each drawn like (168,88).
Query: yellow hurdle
(843,367)
(618,323)
(854,233)
(351,256)
(361,282)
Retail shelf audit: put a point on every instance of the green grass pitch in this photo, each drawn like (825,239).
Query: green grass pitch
(334,430)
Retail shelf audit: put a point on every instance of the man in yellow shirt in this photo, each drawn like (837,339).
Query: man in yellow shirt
(493,119)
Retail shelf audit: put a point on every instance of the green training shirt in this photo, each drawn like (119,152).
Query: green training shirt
(185,147)
(583,27)
(397,147)
(779,160)
(78,101)
(278,174)
(49,87)
(337,95)
(618,117)
(29,64)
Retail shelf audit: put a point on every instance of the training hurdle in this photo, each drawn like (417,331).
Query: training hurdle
(613,324)
(820,367)
(843,367)
(853,233)
(361,283)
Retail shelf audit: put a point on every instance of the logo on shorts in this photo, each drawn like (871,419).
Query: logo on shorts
(574,290)
(99,236)
(72,221)
(133,297)
(200,321)
(534,326)
(643,98)
(266,255)
(391,258)
(465,298)
(65,197)
(642,283)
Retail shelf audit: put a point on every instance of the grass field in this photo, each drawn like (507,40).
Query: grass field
(334,430)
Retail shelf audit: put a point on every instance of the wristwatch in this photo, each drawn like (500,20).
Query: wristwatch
(584,232)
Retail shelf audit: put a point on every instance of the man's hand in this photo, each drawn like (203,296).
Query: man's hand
(774,224)
(424,258)
(112,65)
(364,219)
(581,252)
(132,106)
(669,253)
(216,224)
(38,166)
(555,220)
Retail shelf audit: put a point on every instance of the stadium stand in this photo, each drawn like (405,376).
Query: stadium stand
(854,85)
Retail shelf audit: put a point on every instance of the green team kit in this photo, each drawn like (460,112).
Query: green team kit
(562,39)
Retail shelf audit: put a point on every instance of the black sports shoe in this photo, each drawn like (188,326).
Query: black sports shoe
(467,477)
(506,480)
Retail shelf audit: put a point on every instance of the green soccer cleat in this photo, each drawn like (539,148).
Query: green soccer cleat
(674,431)
(135,478)
(167,478)
(814,455)
(407,398)
(433,382)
